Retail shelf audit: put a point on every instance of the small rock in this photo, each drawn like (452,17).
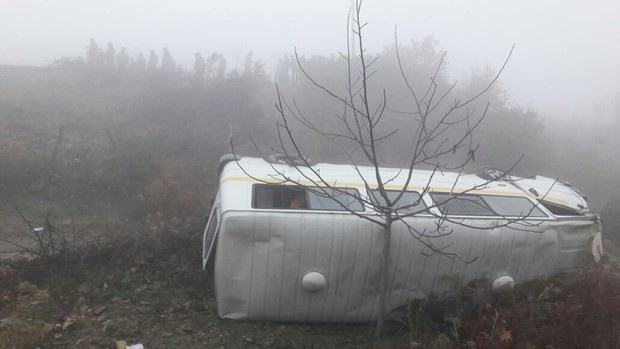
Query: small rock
(106,327)
(70,321)
(215,341)
(167,334)
(6,321)
(80,302)
(99,310)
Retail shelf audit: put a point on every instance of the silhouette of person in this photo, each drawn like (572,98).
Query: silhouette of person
(167,64)
(122,60)
(92,52)
(299,201)
(221,68)
(110,53)
(152,64)
(199,66)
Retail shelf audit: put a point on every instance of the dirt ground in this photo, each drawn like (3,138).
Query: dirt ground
(150,291)
(143,284)
(94,220)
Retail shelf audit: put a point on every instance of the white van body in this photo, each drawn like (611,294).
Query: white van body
(322,265)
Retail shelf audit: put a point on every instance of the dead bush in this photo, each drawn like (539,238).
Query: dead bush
(19,334)
(21,163)
(19,330)
(577,311)
(8,286)
(57,248)
(166,201)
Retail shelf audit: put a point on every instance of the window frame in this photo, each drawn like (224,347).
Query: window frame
(481,197)
(456,198)
(210,236)
(307,190)
(426,211)
(552,207)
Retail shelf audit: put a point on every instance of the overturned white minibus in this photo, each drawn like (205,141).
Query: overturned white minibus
(283,253)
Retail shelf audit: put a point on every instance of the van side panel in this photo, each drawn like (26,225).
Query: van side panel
(262,256)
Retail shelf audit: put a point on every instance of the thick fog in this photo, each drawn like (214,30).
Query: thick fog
(564,64)
(557,102)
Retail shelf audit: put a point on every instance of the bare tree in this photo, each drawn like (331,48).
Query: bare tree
(442,141)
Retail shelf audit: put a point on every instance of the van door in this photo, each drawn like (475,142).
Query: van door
(210,233)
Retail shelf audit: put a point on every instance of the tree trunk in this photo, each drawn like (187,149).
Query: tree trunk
(383,286)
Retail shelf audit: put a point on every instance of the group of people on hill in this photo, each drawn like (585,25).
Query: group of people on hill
(121,61)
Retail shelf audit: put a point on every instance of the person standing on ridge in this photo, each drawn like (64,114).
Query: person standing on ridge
(110,54)
(151,66)
(199,66)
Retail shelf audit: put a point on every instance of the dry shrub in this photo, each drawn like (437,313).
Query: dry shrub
(27,295)
(10,278)
(23,334)
(166,207)
(19,330)
(579,313)
(164,200)
(20,162)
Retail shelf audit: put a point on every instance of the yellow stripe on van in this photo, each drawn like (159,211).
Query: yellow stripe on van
(393,186)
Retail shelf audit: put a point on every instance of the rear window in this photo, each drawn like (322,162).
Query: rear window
(560,210)
(410,202)
(461,205)
(290,197)
(513,206)
(486,205)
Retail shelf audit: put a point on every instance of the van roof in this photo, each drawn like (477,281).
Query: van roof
(249,169)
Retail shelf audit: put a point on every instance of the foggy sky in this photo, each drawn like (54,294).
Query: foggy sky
(566,61)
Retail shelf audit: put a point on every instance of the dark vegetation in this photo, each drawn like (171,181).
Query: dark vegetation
(117,164)
(157,295)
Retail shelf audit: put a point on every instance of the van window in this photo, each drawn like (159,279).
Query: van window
(299,198)
(410,201)
(461,205)
(513,206)
(334,199)
(278,196)
(486,205)
(560,210)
